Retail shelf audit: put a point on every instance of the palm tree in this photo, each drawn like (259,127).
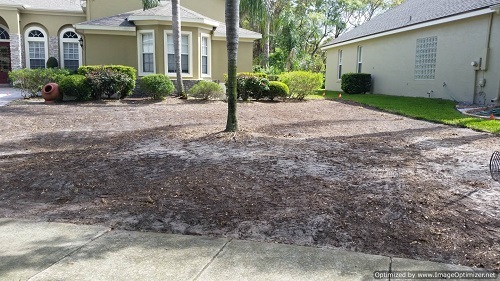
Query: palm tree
(176,26)
(149,4)
(261,10)
(232,35)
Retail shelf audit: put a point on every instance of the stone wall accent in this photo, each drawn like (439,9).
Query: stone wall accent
(54,48)
(16,51)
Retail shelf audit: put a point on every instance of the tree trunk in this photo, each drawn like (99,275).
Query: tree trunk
(267,43)
(176,26)
(232,34)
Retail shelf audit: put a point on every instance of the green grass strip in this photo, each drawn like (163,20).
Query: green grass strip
(433,110)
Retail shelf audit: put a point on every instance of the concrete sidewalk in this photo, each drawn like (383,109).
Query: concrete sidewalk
(8,94)
(55,251)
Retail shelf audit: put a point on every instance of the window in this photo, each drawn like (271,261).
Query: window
(205,55)
(425,58)
(36,47)
(186,63)
(360,59)
(340,65)
(146,41)
(70,49)
(4,35)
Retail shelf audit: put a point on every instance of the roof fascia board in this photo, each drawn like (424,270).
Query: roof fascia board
(413,27)
(104,28)
(11,7)
(496,8)
(53,12)
(169,19)
(249,37)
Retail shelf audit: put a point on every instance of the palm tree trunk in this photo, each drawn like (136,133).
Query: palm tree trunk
(267,44)
(176,26)
(232,34)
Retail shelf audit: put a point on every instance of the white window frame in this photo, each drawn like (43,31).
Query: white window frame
(359,65)
(69,40)
(27,39)
(8,33)
(140,52)
(339,67)
(209,55)
(190,53)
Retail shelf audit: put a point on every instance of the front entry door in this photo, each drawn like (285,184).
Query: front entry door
(4,62)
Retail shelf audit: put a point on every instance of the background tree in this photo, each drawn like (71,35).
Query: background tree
(176,26)
(148,4)
(232,34)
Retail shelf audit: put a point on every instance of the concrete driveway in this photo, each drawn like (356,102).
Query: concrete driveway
(8,94)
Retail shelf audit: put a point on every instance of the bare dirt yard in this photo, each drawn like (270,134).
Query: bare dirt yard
(318,173)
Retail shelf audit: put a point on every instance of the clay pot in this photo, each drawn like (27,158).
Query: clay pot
(50,93)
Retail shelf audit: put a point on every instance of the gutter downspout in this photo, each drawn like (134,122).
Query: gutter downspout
(496,8)
(483,66)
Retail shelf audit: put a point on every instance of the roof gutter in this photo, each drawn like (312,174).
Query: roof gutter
(486,11)
(496,8)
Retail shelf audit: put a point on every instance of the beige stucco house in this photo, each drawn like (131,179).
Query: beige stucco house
(89,32)
(446,49)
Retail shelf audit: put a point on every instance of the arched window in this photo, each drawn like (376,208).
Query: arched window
(36,47)
(4,35)
(71,55)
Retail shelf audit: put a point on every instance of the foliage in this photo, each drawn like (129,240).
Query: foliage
(207,90)
(107,82)
(434,110)
(356,83)
(302,83)
(278,89)
(52,63)
(300,27)
(157,86)
(149,4)
(75,86)
(252,85)
(31,81)
(127,70)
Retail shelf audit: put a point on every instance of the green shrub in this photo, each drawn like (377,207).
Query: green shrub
(31,81)
(256,74)
(252,86)
(278,89)
(158,86)
(302,83)
(75,86)
(207,90)
(107,82)
(52,63)
(356,83)
(127,70)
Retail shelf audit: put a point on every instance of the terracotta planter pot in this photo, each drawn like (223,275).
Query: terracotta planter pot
(50,93)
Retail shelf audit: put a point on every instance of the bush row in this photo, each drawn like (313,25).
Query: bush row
(296,84)
(356,83)
(91,82)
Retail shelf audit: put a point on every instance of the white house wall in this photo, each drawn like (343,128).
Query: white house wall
(391,61)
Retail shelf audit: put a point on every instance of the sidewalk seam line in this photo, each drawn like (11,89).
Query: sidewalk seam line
(99,235)
(390,267)
(212,259)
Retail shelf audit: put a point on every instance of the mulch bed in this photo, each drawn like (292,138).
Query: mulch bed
(317,173)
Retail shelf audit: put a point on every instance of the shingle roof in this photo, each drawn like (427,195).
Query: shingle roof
(50,5)
(119,20)
(165,10)
(413,12)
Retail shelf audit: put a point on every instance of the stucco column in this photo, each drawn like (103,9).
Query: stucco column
(16,51)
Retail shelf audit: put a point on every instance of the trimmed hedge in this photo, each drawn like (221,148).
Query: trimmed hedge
(302,83)
(127,70)
(75,86)
(31,81)
(158,86)
(356,83)
(206,90)
(278,89)
(108,82)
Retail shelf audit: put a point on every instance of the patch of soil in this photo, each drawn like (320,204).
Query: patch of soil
(318,173)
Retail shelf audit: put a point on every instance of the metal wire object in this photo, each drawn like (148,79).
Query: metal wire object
(495,166)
